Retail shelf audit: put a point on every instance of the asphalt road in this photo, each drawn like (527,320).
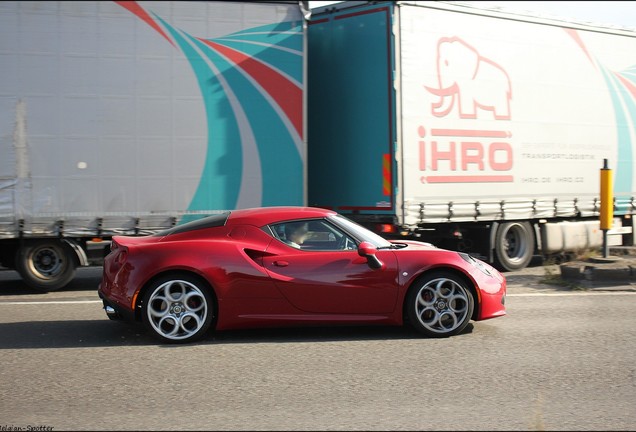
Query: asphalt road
(560,360)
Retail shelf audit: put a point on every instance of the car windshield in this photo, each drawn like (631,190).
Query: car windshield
(360,232)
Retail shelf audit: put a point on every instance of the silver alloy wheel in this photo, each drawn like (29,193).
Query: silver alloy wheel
(442,305)
(177,310)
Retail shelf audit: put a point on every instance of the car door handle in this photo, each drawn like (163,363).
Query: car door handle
(281,263)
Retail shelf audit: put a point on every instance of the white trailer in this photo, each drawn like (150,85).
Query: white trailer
(472,128)
(131,117)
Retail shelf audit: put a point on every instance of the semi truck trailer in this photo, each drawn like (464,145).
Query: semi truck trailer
(129,117)
(474,129)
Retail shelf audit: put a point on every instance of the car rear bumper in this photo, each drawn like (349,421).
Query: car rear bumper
(114,311)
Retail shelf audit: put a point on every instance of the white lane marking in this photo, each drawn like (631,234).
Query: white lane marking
(543,294)
(571,294)
(48,302)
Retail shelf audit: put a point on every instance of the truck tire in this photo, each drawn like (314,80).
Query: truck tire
(514,245)
(46,265)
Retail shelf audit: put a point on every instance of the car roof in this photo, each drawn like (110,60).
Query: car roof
(266,215)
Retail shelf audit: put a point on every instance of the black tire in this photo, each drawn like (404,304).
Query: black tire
(514,246)
(178,308)
(440,304)
(46,265)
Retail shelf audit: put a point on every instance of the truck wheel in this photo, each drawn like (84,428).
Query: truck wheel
(46,265)
(514,245)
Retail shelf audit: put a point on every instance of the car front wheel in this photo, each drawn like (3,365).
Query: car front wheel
(440,305)
(178,309)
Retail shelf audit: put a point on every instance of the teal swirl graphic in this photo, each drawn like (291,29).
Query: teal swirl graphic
(622,90)
(247,116)
(251,83)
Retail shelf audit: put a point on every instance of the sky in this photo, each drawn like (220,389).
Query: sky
(612,13)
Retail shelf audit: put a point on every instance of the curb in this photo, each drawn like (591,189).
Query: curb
(613,269)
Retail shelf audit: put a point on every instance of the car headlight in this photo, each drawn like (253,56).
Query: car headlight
(482,266)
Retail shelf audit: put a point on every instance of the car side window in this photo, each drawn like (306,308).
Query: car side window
(318,235)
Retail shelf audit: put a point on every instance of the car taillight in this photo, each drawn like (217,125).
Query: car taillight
(387,228)
(118,255)
(122,255)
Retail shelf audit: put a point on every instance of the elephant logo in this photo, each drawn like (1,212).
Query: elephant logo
(470,81)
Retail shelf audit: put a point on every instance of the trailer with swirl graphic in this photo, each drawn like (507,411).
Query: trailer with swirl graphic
(129,117)
(475,129)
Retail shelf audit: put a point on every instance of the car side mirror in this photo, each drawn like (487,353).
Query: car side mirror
(367,250)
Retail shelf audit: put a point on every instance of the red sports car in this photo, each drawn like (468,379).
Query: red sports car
(291,266)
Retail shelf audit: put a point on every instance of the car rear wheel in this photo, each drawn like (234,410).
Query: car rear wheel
(178,309)
(440,305)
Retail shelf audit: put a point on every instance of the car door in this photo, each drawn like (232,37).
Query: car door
(332,281)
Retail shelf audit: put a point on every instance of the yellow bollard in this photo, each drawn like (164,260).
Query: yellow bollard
(607,204)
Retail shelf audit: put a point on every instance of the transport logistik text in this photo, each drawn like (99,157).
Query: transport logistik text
(557,156)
